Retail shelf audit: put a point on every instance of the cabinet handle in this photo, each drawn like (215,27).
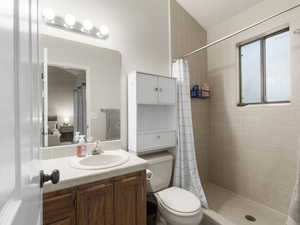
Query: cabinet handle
(160,89)
(156,89)
(75,202)
(158,136)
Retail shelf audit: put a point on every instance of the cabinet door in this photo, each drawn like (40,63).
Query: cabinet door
(59,208)
(130,200)
(167,91)
(95,204)
(147,89)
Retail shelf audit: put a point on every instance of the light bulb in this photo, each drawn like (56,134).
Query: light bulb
(70,20)
(48,14)
(88,25)
(104,30)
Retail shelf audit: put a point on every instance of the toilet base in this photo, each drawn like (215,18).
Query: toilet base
(162,221)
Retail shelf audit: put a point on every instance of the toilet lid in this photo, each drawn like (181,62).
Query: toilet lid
(179,200)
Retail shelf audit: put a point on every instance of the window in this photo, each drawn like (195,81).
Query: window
(265,70)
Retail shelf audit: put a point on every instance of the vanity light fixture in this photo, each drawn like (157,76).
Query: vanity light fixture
(69,22)
(104,30)
(49,15)
(87,25)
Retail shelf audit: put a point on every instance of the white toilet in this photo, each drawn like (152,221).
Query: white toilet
(176,206)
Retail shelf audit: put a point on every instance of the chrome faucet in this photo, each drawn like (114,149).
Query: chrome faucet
(97,150)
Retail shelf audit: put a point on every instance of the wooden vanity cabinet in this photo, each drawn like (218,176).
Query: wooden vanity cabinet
(130,200)
(95,204)
(60,208)
(116,201)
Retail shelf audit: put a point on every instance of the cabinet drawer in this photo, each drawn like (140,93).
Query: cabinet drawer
(59,206)
(156,140)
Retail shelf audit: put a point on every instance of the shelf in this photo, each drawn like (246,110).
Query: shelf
(156,131)
(155,105)
(200,97)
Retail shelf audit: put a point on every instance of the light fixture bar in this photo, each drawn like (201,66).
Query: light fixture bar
(69,23)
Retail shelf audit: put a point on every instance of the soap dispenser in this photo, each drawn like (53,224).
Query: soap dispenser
(81,147)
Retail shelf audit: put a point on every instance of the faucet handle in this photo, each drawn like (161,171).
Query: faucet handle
(97,150)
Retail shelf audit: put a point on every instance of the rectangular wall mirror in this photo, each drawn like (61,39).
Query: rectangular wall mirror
(81,92)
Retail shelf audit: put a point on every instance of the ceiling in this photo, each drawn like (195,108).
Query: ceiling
(209,13)
(75,72)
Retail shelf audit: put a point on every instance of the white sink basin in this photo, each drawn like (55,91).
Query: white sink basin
(105,160)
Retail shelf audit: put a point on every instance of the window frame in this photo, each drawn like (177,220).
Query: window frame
(263,69)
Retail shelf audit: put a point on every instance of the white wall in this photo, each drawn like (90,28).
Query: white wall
(138,29)
(253,149)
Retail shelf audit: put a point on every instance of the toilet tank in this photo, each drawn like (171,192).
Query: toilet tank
(161,165)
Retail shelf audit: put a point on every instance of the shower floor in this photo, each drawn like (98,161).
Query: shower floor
(231,208)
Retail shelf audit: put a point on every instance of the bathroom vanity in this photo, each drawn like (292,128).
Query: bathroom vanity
(105,189)
(112,196)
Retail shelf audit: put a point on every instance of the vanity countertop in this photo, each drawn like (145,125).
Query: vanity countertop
(70,176)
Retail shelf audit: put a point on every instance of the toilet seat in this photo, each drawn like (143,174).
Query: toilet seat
(179,201)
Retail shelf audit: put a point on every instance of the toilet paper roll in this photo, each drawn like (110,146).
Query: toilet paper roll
(149,174)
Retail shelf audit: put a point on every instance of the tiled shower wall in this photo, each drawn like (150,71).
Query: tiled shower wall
(253,149)
(187,35)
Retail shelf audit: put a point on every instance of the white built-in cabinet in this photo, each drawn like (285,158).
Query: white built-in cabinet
(155,90)
(152,123)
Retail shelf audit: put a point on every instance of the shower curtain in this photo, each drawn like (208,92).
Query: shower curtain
(79,97)
(294,211)
(186,173)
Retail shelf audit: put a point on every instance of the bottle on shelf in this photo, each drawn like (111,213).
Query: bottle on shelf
(205,90)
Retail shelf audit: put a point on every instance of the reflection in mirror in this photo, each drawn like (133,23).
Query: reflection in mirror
(81,92)
(66,104)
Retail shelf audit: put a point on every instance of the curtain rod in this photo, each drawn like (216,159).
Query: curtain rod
(240,31)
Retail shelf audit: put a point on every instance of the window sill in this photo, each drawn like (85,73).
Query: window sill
(282,103)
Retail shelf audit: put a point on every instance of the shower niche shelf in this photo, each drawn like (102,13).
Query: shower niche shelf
(200,97)
(152,124)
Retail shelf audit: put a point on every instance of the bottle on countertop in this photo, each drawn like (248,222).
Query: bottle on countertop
(76,137)
(81,147)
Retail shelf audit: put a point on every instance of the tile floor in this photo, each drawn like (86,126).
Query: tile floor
(228,208)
